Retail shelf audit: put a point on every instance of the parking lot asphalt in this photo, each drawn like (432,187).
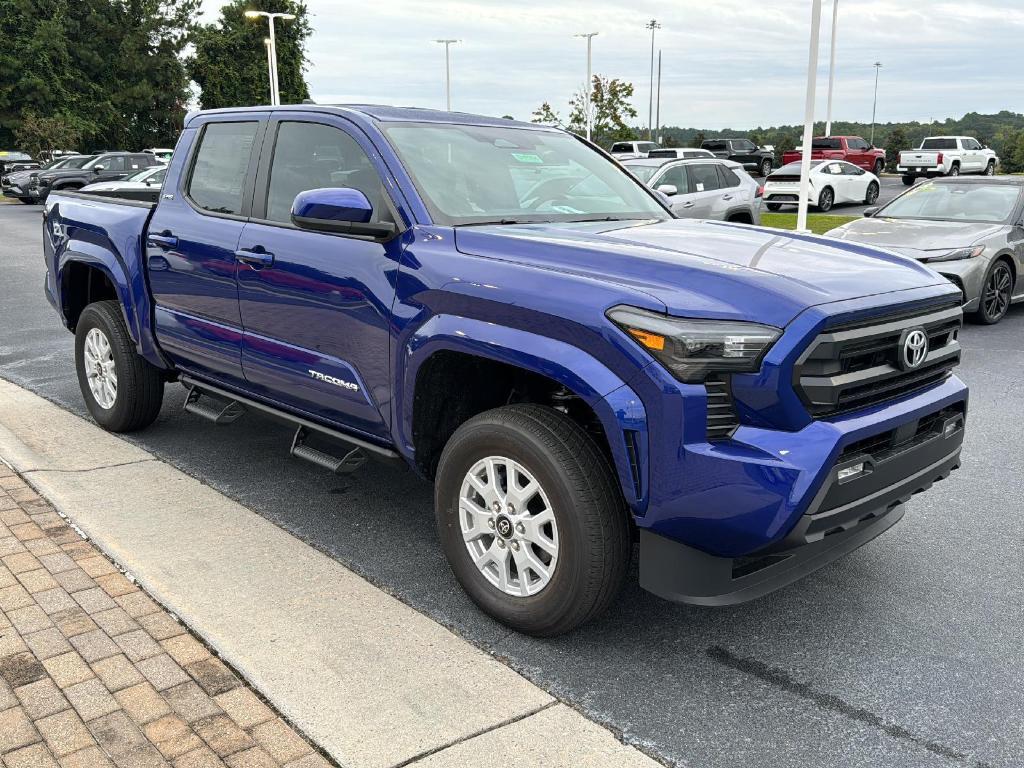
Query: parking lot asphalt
(906,653)
(891,187)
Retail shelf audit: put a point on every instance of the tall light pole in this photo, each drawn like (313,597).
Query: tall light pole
(588,89)
(651,25)
(270,68)
(275,89)
(874,105)
(831,69)
(812,83)
(657,101)
(447,43)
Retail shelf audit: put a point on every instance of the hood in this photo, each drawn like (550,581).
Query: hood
(916,238)
(704,268)
(18,177)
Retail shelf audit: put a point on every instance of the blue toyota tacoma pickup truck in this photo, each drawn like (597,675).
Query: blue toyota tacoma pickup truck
(502,307)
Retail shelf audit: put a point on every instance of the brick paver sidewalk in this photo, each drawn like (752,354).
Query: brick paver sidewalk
(95,673)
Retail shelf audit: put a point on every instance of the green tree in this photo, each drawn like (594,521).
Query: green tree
(230,63)
(611,107)
(1013,158)
(38,135)
(546,115)
(698,139)
(895,143)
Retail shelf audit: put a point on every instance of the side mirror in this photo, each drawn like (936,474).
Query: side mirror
(342,210)
(667,189)
(869,212)
(97,168)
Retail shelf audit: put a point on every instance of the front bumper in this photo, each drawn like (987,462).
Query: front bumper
(966,274)
(843,515)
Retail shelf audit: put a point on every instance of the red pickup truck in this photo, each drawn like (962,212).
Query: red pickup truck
(852,149)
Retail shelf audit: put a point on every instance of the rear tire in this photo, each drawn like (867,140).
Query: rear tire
(496,454)
(826,200)
(954,170)
(774,206)
(908,181)
(122,391)
(27,200)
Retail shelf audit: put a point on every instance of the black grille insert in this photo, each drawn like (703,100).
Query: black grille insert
(722,418)
(857,365)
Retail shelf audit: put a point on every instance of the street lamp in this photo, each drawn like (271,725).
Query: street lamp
(448,71)
(805,155)
(874,106)
(270,67)
(275,89)
(831,69)
(588,88)
(651,25)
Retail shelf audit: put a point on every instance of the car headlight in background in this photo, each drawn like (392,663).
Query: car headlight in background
(691,349)
(958,255)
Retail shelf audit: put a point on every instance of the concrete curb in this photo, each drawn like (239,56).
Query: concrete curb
(369,679)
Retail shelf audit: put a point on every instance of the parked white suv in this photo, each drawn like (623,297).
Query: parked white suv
(946,156)
(631,150)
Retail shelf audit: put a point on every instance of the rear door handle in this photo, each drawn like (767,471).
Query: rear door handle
(727,197)
(255,258)
(163,240)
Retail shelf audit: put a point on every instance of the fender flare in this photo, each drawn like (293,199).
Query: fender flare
(617,406)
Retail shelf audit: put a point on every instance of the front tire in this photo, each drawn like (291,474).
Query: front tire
(990,169)
(996,294)
(122,391)
(27,200)
(531,520)
(879,167)
(826,200)
(872,194)
(908,181)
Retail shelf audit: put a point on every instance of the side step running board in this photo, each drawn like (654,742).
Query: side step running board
(226,414)
(347,464)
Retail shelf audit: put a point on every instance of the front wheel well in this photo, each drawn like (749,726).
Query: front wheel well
(453,387)
(81,285)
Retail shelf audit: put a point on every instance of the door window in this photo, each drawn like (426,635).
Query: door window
(315,156)
(852,170)
(743,145)
(704,177)
(113,163)
(220,166)
(857,144)
(676,176)
(836,169)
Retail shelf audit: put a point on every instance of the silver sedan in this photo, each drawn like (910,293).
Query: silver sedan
(970,230)
(702,189)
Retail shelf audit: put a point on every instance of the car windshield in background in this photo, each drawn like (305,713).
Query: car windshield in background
(471,174)
(955,202)
(643,172)
(74,162)
(92,161)
(141,175)
(938,144)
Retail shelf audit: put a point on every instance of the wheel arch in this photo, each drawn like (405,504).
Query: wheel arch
(475,355)
(86,278)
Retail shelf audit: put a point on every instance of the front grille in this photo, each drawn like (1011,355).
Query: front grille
(722,418)
(857,365)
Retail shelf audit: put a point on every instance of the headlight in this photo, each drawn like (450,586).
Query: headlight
(958,255)
(691,349)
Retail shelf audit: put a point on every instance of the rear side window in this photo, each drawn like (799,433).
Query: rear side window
(622,146)
(704,177)
(729,179)
(316,156)
(218,172)
(715,146)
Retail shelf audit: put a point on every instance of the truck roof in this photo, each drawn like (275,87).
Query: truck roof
(380,113)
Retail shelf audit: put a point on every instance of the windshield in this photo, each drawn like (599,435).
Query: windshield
(955,202)
(74,162)
(141,175)
(469,174)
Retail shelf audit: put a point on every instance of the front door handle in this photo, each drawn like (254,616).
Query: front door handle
(687,204)
(255,258)
(164,240)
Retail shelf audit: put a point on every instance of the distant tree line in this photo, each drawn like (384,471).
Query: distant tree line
(111,74)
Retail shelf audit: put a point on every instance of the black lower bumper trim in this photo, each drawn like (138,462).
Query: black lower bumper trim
(677,572)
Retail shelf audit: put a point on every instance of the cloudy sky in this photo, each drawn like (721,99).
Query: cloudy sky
(726,63)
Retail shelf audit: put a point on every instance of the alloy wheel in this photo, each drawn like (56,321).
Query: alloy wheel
(508,526)
(872,194)
(998,292)
(100,370)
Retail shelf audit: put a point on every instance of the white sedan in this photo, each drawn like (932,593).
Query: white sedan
(145,179)
(832,182)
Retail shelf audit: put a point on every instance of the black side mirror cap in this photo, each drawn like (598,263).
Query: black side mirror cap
(869,212)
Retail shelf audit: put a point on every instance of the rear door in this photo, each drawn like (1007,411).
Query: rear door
(745,152)
(316,314)
(974,158)
(192,240)
(705,191)
(857,153)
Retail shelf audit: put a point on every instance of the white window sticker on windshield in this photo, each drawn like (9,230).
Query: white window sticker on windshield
(527,157)
(700,187)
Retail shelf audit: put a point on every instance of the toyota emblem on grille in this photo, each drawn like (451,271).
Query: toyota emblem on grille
(913,348)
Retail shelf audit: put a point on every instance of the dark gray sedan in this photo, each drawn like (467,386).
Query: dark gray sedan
(970,230)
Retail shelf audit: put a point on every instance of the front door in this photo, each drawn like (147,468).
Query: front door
(316,306)
(191,244)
